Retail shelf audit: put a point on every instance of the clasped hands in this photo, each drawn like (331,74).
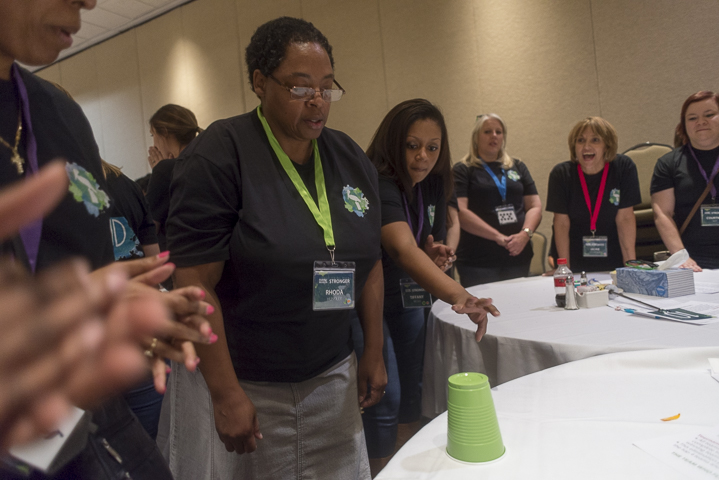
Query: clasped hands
(513,243)
(71,337)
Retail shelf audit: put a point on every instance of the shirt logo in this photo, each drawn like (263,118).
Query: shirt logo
(513,175)
(355,201)
(84,188)
(124,240)
(430,214)
(614,197)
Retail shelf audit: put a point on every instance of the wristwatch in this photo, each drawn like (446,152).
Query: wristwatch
(529,232)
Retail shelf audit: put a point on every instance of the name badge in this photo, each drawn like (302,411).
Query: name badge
(710,215)
(414,296)
(334,286)
(594,246)
(506,215)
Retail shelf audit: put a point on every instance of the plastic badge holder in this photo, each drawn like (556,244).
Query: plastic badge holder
(600,298)
(472,428)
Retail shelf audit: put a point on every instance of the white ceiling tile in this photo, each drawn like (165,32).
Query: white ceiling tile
(104,18)
(157,3)
(127,8)
(89,30)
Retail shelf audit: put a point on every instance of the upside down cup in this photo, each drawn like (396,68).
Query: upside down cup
(472,428)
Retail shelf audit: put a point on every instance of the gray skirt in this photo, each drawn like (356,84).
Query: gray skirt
(311,429)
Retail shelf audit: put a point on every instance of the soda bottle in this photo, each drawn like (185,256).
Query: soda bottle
(561,275)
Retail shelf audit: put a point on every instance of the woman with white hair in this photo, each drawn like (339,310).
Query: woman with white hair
(499,208)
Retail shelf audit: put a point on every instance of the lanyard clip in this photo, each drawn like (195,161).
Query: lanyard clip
(593,232)
(332,253)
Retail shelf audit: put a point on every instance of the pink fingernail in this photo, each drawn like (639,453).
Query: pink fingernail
(197,361)
(164,254)
(213,338)
(210,310)
(168,369)
(202,294)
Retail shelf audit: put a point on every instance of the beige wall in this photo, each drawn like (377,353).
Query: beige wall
(540,64)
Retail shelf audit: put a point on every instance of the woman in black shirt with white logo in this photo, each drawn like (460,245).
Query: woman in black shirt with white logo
(278,218)
(592,197)
(499,208)
(411,152)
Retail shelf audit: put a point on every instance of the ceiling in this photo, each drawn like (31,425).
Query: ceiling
(112,17)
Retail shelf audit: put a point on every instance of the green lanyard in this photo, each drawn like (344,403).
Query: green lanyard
(321,214)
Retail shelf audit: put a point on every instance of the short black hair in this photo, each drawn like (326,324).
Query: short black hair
(270,41)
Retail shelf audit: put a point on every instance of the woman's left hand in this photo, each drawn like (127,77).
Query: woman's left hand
(441,254)
(476,309)
(516,243)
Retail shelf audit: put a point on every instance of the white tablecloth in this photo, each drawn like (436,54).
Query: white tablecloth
(532,334)
(579,420)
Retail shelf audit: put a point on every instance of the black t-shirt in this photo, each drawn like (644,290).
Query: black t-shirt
(231,201)
(393,210)
(131,224)
(483,198)
(158,197)
(78,226)
(678,170)
(143,182)
(565,196)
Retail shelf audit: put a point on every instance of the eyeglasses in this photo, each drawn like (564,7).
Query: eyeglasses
(308,93)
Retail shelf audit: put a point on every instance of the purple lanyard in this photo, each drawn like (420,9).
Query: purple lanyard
(420,204)
(31,232)
(704,173)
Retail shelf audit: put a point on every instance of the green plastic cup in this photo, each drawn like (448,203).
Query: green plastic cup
(472,428)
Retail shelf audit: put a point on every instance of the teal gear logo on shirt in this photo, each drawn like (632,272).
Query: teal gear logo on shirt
(84,188)
(614,197)
(430,213)
(513,175)
(355,201)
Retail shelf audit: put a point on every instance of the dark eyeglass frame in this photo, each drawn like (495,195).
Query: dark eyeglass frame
(327,94)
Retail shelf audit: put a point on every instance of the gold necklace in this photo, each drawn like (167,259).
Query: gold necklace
(16,159)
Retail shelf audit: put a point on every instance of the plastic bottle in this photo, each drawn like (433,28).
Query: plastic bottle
(560,282)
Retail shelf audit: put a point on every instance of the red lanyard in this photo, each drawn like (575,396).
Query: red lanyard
(594,215)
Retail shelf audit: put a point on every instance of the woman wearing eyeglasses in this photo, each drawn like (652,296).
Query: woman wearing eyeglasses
(278,217)
(592,197)
(499,208)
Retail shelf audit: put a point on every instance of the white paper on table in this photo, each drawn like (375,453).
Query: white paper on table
(706,308)
(706,287)
(693,454)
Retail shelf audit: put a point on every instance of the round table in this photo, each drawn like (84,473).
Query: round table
(580,420)
(533,334)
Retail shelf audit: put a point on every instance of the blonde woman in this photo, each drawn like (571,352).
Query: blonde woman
(499,208)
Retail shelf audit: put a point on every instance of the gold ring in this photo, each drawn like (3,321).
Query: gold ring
(150,352)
